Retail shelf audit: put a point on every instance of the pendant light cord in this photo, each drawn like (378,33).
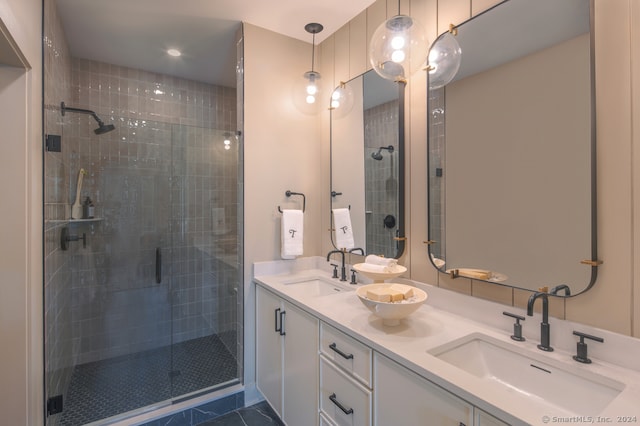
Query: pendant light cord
(313,51)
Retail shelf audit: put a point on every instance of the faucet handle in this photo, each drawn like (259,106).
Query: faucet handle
(353,277)
(335,270)
(582,346)
(517,327)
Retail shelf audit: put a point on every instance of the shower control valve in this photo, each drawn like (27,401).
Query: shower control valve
(65,238)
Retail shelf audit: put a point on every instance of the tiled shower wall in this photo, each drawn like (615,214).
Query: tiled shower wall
(381,177)
(161,180)
(436,155)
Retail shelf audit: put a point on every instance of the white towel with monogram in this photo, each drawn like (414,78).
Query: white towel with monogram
(343,230)
(292,241)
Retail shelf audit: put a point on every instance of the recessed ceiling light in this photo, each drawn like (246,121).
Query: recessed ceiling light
(174,52)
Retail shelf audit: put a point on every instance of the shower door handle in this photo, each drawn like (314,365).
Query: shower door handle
(158,266)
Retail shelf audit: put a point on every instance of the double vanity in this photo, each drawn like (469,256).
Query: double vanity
(323,358)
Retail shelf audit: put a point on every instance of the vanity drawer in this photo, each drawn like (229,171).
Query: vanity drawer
(346,352)
(343,400)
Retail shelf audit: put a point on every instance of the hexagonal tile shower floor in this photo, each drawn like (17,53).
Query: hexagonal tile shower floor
(106,388)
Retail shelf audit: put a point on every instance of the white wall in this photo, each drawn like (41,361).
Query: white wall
(282,152)
(21,228)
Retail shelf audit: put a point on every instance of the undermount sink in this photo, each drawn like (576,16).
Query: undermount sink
(535,377)
(316,286)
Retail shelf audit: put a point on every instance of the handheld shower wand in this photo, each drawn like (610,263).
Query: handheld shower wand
(76,209)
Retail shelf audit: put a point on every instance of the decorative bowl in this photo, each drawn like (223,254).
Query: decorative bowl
(391,312)
(378,276)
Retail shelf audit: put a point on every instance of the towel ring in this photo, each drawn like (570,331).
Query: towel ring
(304,199)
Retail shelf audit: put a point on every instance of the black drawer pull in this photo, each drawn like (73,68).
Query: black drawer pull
(334,348)
(282,314)
(333,399)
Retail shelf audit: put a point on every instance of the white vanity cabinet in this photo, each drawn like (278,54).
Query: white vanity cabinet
(287,358)
(402,398)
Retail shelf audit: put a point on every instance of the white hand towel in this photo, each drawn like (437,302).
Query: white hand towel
(292,235)
(372,267)
(343,230)
(379,260)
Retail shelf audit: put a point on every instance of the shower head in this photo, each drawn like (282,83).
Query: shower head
(102,128)
(378,155)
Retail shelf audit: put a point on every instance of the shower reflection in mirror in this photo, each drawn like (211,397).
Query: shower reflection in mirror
(366,162)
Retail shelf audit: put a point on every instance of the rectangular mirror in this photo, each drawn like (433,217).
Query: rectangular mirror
(512,150)
(367,164)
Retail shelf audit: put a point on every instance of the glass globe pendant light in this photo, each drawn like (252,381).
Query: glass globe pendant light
(398,47)
(341,101)
(444,59)
(312,85)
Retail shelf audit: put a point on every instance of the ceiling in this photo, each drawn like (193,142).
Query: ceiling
(137,33)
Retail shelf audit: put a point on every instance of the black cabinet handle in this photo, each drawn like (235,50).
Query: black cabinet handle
(334,348)
(282,314)
(333,399)
(158,266)
(278,329)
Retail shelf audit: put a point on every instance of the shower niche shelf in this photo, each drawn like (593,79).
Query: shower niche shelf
(92,220)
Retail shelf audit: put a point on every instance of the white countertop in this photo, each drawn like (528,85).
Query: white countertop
(447,316)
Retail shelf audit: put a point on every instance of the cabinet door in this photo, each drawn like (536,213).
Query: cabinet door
(268,348)
(300,374)
(402,398)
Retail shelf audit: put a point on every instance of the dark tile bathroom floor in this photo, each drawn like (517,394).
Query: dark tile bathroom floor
(103,389)
(259,414)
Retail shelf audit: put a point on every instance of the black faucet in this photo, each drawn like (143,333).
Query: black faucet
(343,270)
(545,330)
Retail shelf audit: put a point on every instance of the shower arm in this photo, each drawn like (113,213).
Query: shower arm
(64,108)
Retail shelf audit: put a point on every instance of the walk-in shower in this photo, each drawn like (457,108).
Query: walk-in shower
(144,308)
(147,309)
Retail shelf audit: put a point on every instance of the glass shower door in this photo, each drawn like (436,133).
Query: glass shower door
(148,310)
(206,261)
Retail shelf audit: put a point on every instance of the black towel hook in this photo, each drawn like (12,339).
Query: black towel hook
(290,193)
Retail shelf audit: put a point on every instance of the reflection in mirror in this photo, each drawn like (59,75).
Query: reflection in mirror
(511,150)
(367,166)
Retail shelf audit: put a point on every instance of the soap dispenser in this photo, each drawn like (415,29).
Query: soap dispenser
(88,209)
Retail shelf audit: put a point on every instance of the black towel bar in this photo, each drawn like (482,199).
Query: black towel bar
(290,193)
